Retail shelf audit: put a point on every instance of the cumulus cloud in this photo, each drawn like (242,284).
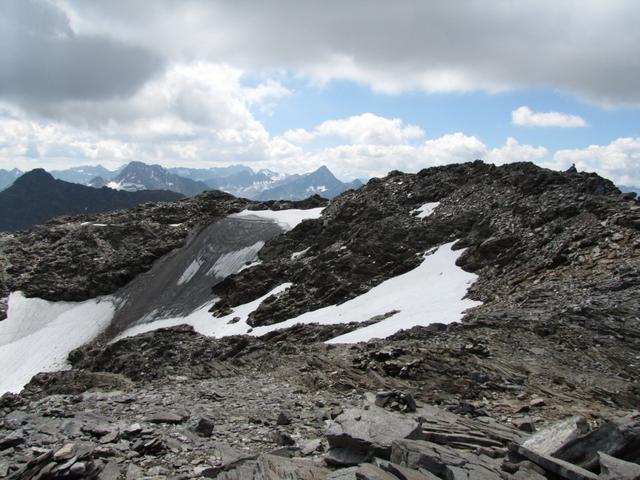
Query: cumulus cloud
(431,46)
(366,128)
(526,117)
(618,161)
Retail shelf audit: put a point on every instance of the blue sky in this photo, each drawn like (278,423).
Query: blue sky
(364,86)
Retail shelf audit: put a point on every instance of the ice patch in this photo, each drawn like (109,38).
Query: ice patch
(430,293)
(191,270)
(287,219)
(425,210)
(38,335)
(233,262)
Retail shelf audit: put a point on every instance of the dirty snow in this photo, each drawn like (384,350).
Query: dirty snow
(38,335)
(425,210)
(233,262)
(287,219)
(432,292)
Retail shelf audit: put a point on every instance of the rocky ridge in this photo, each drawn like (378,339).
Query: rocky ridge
(556,338)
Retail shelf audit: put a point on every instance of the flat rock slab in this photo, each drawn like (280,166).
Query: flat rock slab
(443,461)
(554,465)
(357,435)
(165,417)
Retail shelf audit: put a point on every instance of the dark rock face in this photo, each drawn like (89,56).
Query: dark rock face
(36,197)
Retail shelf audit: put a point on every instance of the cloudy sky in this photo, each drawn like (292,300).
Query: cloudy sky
(363,86)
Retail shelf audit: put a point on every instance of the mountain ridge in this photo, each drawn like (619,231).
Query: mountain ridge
(36,197)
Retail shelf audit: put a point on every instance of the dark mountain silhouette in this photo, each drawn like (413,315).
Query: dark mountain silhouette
(36,197)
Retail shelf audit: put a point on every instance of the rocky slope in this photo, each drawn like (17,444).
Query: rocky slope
(557,335)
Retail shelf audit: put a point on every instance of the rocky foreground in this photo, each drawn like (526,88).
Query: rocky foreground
(554,345)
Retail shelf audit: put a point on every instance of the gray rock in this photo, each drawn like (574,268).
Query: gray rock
(284,418)
(363,434)
(549,440)
(556,466)
(368,471)
(15,420)
(619,438)
(526,424)
(205,427)
(166,417)
(421,454)
(11,440)
(612,468)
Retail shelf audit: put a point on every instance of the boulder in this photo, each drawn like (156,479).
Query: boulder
(549,440)
(619,438)
(357,435)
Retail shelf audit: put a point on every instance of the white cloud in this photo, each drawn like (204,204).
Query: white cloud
(512,151)
(526,117)
(619,160)
(364,129)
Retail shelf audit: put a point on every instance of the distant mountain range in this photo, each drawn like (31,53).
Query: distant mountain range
(36,197)
(7,177)
(239,180)
(137,176)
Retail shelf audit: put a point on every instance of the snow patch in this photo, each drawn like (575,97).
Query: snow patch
(287,219)
(295,255)
(37,335)
(430,293)
(425,210)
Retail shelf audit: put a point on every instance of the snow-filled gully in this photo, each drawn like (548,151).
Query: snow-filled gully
(38,335)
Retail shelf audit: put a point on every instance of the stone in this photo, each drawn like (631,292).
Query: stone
(134,429)
(14,420)
(11,440)
(548,440)
(284,418)
(311,446)
(66,452)
(612,468)
(205,427)
(421,454)
(561,468)
(526,424)
(165,417)
(368,471)
(364,434)
(537,402)
(619,438)
(283,439)
(404,473)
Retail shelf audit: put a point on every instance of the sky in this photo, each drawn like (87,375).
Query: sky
(364,86)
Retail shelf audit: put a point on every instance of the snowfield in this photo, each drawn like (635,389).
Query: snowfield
(287,219)
(38,335)
(433,292)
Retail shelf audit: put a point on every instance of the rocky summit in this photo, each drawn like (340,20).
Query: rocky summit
(243,343)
